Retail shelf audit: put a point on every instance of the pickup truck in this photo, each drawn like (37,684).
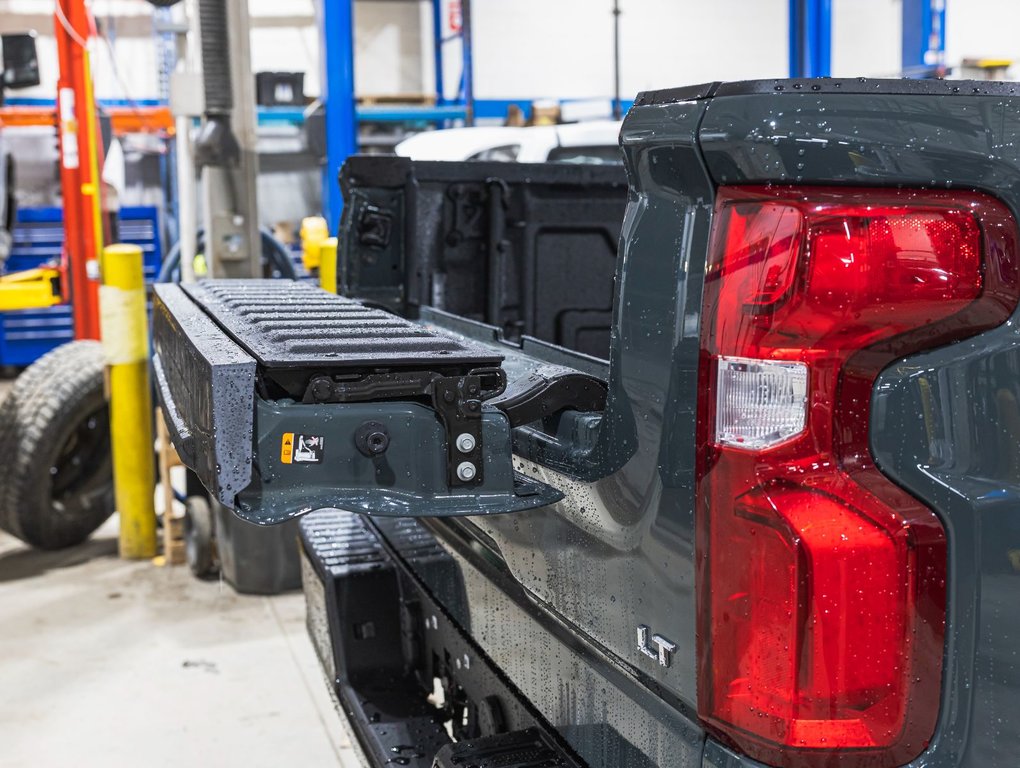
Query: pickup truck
(777,524)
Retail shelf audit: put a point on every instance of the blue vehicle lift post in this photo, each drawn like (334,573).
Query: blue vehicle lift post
(338,99)
(924,37)
(342,115)
(437,49)
(810,38)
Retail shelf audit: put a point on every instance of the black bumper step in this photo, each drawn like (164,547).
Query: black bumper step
(521,749)
(383,640)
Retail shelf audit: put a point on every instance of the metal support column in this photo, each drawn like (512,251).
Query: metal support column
(81,161)
(437,49)
(617,104)
(924,37)
(469,63)
(336,20)
(233,244)
(810,38)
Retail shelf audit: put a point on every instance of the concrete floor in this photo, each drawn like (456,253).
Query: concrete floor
(111,663)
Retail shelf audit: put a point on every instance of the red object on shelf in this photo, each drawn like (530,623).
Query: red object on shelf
(454,16)
(821,584)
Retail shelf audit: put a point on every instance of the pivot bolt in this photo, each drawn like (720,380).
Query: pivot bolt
(372,438)
(322,388)
(465,442)
(466,471)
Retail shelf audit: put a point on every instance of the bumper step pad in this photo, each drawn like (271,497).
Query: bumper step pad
(520,749)
(383,641)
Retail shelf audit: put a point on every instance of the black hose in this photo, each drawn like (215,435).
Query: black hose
(274,254)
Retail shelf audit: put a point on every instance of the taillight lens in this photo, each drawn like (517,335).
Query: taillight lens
(821,584)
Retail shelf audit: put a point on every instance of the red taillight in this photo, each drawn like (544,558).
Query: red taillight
(821,584)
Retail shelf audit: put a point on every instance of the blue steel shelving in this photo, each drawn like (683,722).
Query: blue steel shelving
(342,116)
(38,234)
(810,38)
(924,38)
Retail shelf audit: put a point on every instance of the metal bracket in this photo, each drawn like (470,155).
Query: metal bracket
(457,401)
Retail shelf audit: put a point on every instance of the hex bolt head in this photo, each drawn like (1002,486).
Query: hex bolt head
(465,442)
(466,471)
(322,389)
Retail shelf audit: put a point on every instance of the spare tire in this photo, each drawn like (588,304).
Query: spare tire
(56,471)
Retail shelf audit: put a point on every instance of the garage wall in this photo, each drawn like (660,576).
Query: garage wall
(130,23)
(983,29)
(866,37)
(539,48)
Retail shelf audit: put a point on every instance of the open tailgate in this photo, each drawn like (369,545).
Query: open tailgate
(284,398)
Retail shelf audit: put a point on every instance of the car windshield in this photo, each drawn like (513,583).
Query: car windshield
(505,154)
(604,154)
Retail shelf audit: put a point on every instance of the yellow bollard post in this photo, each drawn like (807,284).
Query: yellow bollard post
(314,231)
(327,265)
(125,334)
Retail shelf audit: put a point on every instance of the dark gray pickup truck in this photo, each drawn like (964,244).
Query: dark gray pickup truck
(778,525)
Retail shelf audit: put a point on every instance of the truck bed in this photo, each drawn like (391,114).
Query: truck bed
(528,248)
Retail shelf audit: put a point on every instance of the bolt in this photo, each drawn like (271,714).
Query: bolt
(448,396)
(378,442)
(321,389)
(465,442)
(466,471)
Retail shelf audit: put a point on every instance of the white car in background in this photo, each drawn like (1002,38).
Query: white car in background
(595,142)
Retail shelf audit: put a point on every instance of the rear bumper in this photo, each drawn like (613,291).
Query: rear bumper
(390,609)
(386,645)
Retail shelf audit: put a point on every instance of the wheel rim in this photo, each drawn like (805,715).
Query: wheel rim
(83,453)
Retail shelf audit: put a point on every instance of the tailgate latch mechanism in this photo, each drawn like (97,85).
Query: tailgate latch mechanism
(457,401)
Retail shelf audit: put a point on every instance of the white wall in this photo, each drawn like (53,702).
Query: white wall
(537,48)
(540,48)
(983,29)
(129,24)
(866,37)
(389,53)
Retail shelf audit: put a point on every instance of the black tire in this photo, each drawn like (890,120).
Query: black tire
(198,537)
(56,471)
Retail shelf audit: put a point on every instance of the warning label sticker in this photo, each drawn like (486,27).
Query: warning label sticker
(301,449)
